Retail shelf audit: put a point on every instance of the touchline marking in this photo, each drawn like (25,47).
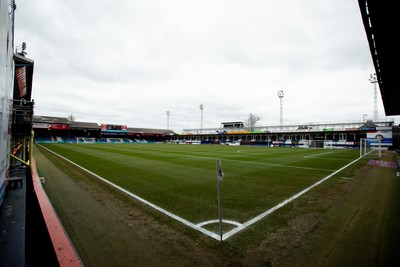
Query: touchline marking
(173,216)
(314,155)
(283,203)
(199,226)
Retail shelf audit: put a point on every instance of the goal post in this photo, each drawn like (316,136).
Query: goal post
(316,144)
(370,148)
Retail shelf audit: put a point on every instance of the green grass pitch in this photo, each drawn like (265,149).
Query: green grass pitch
(182,178)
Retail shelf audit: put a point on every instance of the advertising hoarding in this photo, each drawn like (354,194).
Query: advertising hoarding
(51,126)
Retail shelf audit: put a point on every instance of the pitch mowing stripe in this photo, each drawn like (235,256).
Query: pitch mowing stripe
(263,163)
(316,155)
(283,203)
(144,201)
(199,226)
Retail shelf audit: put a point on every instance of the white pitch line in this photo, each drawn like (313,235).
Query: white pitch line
(199,227)
(315,155)
(169,214)
(217,221)
(283,203)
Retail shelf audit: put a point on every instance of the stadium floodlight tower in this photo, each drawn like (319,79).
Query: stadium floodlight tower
(168,113)
(281,95)
(201,117)
(364,116)
(372,79)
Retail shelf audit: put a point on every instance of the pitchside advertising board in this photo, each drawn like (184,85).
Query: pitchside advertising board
(382,135)
(6,87)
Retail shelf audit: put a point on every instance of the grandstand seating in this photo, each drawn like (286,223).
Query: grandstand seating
(44,139)
(70,140)
(58,129)
(86,140)
(114,140)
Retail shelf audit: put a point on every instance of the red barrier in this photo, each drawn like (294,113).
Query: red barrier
(66,254)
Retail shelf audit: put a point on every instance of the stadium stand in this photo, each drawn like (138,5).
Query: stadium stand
(57,129)
(340,134)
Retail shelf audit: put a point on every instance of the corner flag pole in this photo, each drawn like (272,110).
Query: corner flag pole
(220,175)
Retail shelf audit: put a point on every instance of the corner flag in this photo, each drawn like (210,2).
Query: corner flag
(220,171)
(220,175)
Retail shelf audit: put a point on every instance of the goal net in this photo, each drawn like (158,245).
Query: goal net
(370,149)
(315,144)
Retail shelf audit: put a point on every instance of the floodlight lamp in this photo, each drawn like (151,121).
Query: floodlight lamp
(372,78)
(201,107)
(280,93)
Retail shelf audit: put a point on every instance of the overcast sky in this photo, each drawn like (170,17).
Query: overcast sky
(130,61)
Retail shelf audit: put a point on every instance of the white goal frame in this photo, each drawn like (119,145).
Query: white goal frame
(327,144)
(367,147)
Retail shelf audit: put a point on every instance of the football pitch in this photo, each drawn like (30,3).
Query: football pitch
(180,180)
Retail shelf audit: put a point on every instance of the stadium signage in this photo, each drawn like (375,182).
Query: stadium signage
(382,135)
(328,129)
(110,128)
(41,126)
(51,126)
(368,128)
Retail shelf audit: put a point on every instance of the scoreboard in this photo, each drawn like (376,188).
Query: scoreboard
(112,128)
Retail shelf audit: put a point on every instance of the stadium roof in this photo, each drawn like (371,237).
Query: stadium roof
(84,125)
(48,119)
(149,131)
(23,77)
(95,126)
(381,23)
